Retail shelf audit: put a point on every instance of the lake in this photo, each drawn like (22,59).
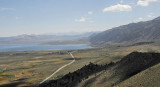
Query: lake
(31,47)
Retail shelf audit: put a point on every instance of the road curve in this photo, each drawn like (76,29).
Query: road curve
(59,68)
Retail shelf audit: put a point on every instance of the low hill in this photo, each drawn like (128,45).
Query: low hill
(126,68)
(110,74)
(133,32)
(147,78)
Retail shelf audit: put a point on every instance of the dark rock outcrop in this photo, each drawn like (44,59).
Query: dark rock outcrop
(72,79)
(130,65)
(136,62)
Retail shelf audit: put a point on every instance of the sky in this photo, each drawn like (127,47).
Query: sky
(68,16)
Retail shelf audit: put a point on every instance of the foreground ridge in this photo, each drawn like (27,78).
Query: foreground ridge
(128,66)
(72,79)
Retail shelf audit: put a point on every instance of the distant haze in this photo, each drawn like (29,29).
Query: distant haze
(51,39)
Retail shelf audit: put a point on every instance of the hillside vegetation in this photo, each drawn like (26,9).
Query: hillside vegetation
(111,74)
(147,78)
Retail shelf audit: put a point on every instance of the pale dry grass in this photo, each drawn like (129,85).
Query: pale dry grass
(37,65)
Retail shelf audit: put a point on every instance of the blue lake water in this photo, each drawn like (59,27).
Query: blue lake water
(30,47)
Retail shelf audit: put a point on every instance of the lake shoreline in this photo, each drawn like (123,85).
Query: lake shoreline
(39,47)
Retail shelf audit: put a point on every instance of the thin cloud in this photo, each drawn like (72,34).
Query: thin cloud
(82,19)
(6,9)
(150,15)
(138,19)
(145,2)
(90,13)
(121,1)
(118,8)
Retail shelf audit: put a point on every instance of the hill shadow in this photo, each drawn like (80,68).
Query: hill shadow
(15,84)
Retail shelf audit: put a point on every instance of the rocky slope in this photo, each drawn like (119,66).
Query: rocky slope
(113,73)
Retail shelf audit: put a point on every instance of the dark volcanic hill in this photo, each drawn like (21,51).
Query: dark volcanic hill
(137,32)
(127,67)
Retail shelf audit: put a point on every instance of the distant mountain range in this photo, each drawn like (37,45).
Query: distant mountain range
(133,32)
(47,39)
(143,32)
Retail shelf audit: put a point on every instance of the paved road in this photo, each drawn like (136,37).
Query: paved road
(59,68)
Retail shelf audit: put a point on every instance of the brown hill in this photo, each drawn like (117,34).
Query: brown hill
(133,32)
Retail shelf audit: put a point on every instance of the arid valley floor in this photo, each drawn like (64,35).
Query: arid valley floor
(27,68)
